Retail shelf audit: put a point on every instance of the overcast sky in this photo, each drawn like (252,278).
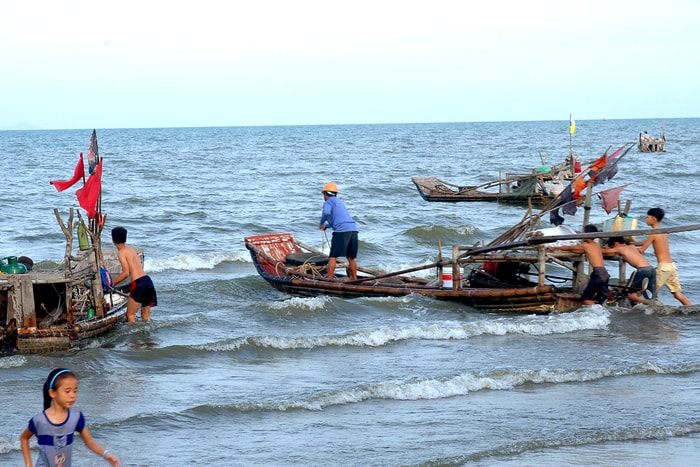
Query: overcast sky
(151,63)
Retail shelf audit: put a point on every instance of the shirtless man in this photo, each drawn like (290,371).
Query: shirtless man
(666,271)
(142,291)
(634,258)
(597,287)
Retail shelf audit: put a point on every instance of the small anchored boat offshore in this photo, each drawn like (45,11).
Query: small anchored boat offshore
(649,143)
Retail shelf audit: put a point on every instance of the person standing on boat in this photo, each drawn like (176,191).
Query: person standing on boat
(142,291)
(634,258)
(345,242)
(666,271)
(597,289)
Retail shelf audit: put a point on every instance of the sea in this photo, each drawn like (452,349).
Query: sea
(232,372)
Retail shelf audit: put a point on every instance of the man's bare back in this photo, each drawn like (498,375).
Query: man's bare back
(142,293)
(593,253)
(131,263)
(590,248)
(630,254)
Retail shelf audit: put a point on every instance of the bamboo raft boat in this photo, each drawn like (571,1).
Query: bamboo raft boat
(648,143)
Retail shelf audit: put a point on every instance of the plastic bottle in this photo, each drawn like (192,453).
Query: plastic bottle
(83,242)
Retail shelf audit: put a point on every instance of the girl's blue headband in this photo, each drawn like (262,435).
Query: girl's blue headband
(53,380)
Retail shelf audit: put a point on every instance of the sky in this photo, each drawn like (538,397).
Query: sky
(150,63)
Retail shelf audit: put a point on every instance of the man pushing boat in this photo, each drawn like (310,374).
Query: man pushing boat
(142,292)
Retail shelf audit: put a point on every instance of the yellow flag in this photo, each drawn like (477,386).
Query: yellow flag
(572,125)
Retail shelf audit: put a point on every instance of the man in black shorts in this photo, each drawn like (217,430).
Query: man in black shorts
(345,242)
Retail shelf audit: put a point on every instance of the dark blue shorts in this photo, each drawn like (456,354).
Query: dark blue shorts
(143,291)
(344,244)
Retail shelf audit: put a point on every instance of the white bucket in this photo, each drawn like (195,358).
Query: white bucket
(447,280)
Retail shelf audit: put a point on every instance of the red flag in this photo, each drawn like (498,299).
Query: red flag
(89,194)
(610,198)
(78,173)
(93,152)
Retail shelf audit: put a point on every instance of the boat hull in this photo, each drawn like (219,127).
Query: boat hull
(32,340)
(435,190)
(268,253)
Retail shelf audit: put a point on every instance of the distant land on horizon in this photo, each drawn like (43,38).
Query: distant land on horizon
(21,126)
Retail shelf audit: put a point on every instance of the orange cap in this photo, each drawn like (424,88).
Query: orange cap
(330,187)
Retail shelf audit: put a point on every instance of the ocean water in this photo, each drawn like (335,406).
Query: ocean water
(231,372)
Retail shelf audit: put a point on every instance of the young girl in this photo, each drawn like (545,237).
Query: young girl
(54,427)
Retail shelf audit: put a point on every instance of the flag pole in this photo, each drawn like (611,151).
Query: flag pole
(96,222)
(94,151)
(663,135)
(81,161)
(572,130)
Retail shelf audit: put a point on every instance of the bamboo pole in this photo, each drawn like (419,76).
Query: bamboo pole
(456,272)
(439,261)
(540,239)
(541,264)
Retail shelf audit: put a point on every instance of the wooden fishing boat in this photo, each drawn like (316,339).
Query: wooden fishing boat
(536,188)
(495,277)
(648,143)
(298,269)
(60,309)
(512,189)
